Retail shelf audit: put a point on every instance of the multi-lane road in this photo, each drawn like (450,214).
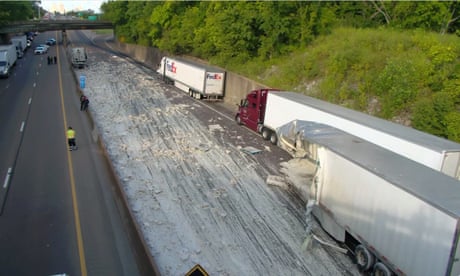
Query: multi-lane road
(58,212)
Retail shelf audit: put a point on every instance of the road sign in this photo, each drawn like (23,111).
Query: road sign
(197,270)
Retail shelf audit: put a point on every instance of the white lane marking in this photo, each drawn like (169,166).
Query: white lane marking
(30,101)
(7,178)
(35,84)
(22,126)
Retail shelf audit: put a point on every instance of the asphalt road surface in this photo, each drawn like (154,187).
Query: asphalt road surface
(198,198)
(58,212)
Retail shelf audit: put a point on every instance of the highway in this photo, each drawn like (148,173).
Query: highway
(58,210)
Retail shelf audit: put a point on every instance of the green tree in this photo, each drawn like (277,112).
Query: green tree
(115,11)
(399,84)
(452,121)
(436,115)
(16,11)
(436,16)
(230,29)
(137,14)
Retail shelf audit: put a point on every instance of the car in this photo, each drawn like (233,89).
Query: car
(39,50)
(44,46)
(51,41)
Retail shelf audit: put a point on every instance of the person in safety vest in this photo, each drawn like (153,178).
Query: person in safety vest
(71,138)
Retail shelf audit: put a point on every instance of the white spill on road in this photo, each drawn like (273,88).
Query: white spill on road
(198,200)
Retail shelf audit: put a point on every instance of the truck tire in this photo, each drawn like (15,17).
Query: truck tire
(364,258)
(273,138)
(238,120)
(190,92)
(380,269)
(266,133)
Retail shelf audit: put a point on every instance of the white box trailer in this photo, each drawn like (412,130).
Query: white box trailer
(8,59)
(78,57)
(386,207)
(198,80)
(21,44)
(432,151)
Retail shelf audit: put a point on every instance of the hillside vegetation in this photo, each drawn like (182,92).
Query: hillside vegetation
(411,77)
(397,60)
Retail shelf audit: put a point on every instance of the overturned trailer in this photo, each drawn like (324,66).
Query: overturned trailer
(395,214)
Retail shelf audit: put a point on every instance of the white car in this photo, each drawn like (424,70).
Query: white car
(44,46)
(40,50)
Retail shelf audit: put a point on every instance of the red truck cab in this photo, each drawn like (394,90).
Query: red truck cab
(251,113)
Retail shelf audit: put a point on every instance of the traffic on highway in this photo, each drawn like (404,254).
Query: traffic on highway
(58,211)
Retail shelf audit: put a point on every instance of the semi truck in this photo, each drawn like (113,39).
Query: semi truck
(265,110)
(21,44)
(78,57)
(198,80)
(8,59)
(397,216)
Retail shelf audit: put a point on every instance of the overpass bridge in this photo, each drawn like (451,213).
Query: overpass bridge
(17,27)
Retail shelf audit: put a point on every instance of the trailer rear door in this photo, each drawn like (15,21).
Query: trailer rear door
(451,164)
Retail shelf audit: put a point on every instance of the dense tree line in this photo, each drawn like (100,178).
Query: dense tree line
(17,11)
(394,59)
(235,31)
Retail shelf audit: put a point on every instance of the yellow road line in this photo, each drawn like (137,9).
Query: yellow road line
(81,249)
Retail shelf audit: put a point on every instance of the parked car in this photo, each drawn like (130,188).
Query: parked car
(40,50)
(51,41)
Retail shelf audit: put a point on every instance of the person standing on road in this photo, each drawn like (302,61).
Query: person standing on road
(55,59)
(84,102)
(71,139)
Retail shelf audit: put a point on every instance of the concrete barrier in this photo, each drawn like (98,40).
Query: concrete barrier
(236,86)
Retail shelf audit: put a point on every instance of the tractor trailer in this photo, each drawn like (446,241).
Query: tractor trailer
(265,110)
(21,44)
(8,59)
(397,216)
(198,80)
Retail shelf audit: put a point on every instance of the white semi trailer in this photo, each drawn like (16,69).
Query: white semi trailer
(266,110)
(198,80)
(397,215)
(78,57)
(8,59)
(21,44)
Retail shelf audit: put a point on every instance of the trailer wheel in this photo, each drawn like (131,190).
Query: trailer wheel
(266,133)
(190,92)
(273,138)
(364,258)
(380,269)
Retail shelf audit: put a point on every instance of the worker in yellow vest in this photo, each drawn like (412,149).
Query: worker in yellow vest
(71,139)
